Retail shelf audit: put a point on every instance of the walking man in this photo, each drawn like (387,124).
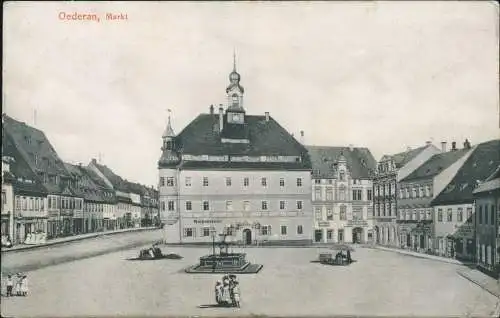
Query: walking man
(10,285)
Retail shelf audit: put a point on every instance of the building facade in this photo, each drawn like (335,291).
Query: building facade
(235,173)
(454,206)
(342,194)
(487,201)
(7,216)
(390,170)
(417,225)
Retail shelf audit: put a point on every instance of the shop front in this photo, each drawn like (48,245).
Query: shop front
(461,244)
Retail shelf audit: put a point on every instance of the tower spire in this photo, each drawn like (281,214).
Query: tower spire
(169,132)
(234,60)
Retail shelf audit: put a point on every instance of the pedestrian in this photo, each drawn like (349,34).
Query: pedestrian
(10,285)
(24,285)
(218,292)
(17,289)
(226,294)
(349,260)
(236,294)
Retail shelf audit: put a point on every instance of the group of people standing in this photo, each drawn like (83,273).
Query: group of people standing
(18,285)
(227,292)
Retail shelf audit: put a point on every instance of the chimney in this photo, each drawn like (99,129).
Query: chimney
(267,116)
(351,147)
(443,146)
(453,146)
(211,109)
(94,161)
(301,137)
(428,143)
(221,118)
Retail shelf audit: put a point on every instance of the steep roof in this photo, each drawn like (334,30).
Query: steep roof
(481,164)
(36,150)
(360,161)
(266,138)
(436,164)
(117,182)
(24,181)
(402,158)
(492,183)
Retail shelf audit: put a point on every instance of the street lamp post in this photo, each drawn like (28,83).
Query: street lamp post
(213,232)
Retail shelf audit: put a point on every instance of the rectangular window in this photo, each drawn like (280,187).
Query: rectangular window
(31,204)
(469,215)
(317,193)
(460,214)
(228,181)
(341,235)
(266,230)
(343,213)
(170,181)
(299,182)
(329,194)
(246,205)
(229,205)
(206,231)
(246,182)
(162,181)
(263,181)
(283,230)
(449,215)
(264,205)
(205,181)
(428,214)
(369,194)
(42,204)
(170,205)
(189,205)
(318,215)
(189,232)
(299,205)
(440,215)
(188,181)
(282,205)
(329,235)
(356,195)
(492,215)
(206,206)
(282,182)
(317,181)
(422,214)
(299,229)
(329,214)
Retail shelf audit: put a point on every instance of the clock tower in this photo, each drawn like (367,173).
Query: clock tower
(235,111)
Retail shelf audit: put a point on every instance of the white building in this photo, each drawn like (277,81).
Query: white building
(342,194)
(7,216)
(229,171)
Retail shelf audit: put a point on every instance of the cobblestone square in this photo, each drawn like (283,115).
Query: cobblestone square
(379,283)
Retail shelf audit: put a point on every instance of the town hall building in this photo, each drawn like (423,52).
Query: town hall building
(231,172)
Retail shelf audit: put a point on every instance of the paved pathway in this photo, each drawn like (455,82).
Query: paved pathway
(378,284)
(420,255)
(60,240)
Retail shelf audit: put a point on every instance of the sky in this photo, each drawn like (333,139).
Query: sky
(382,75)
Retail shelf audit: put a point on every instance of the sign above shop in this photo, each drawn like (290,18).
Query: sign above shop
(323,224)
(464,231)
(207,221)
(357,223)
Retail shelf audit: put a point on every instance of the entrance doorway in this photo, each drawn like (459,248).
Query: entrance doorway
(357,235)
(377,234)
(318,236)
(247,236)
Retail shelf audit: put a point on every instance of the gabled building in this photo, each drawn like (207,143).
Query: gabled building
(487,202)
(415,192)
(390,170)
(342,194)
(123,213)
(29,215)
(234,172)
(100,202)
(454,207)
(44,162)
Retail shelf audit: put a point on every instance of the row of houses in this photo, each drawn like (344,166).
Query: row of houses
(431,200)
(44,197)
(228,171)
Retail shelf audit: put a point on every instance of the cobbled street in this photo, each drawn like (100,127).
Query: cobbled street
(379,283)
